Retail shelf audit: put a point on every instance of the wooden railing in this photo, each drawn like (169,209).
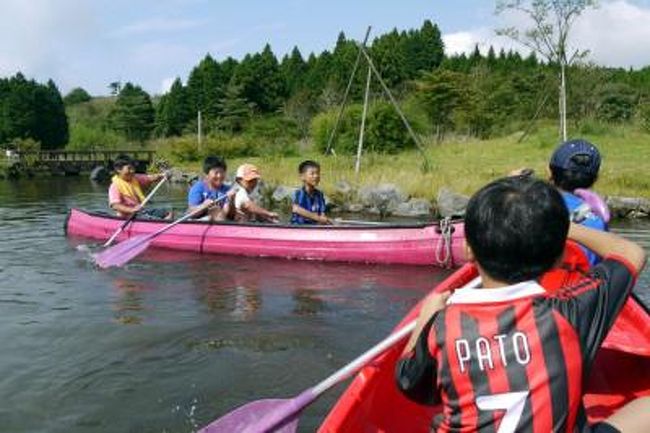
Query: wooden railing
(98,156)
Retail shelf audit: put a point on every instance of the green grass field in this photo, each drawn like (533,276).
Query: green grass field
(465,165)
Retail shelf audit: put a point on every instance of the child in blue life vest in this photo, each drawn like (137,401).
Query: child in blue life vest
(308,202)
(573,169)
(212,187)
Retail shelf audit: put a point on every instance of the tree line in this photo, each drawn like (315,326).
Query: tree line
(29,110)
(478,94)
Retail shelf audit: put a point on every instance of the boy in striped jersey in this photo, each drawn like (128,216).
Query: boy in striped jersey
(509,357)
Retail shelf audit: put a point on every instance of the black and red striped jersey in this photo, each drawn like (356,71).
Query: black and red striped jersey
(513,359)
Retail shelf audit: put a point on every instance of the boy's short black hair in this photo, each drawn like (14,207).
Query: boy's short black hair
(123,160)
(517,228)
(305,165)
(211,162)
(570,180)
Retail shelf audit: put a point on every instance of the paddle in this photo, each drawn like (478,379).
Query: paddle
(281,415)
(130,248)
(133,215)
(359,223)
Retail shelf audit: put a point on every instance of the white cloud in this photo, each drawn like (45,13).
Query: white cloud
(616,34)
(157,25)
(37,35)
(166,84)
(464,42)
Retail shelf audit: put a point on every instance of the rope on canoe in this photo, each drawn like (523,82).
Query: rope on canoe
(443,246)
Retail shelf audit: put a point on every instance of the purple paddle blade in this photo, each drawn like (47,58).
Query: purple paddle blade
(122,252)
(263,416)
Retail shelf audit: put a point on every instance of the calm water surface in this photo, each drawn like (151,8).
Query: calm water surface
(173,340)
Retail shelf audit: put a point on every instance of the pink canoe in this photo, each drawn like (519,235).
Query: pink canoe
(438,244)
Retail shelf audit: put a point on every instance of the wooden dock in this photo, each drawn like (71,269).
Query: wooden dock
(70,163)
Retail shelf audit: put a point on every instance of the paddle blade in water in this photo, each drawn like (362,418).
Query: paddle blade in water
(262,416)
(122,252)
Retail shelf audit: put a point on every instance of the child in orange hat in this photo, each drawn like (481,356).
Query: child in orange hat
(246,209)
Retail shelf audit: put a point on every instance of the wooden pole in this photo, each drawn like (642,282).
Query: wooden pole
(357,165)
(199,132)
(330,141)
(426,165)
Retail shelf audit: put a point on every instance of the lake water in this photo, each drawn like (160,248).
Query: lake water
(174,340)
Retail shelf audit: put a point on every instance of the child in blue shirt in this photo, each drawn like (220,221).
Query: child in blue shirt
(575,165)
(308,202)
(573,169)
(210,188)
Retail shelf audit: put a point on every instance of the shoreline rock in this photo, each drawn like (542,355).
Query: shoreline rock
(389,200)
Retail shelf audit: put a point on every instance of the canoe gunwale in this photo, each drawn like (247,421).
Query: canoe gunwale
(387,226)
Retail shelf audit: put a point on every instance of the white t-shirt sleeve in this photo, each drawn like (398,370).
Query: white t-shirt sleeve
(241,198)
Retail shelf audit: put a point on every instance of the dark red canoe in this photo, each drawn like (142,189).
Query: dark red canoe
(373,404)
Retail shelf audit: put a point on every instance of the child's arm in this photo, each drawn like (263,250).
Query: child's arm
(119,207)
(254,209)
(321,219)
(229,204)
(633,417)
(608,244)
(431,305)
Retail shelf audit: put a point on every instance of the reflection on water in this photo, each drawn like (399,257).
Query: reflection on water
(173,339)
(128,302)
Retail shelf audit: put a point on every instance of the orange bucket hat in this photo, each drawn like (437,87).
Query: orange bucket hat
(247,172)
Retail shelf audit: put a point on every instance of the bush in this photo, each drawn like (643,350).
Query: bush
(385,131)
(228,146)
(617,103)
(185,149)
(26,145)
(594,127)
(348,131)
(85,137)
(278,128)
(644,116)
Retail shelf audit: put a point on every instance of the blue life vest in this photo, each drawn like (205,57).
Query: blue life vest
(200,191)
(313,203)
(581,213)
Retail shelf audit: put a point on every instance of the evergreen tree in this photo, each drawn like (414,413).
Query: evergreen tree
(293,68)
(340,67)
(423,48)
(261,80)
(475,58)
(52,128)
(29,110)
(441,93)
(228,67)
(491,59)
(173,112)
(389,57)
(76,96)
(317,77)
(432,45)
(235,109)
(133,114)
(205,88)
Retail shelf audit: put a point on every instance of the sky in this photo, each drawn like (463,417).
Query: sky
(91,43)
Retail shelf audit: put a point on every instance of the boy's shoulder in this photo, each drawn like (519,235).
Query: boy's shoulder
(199,185)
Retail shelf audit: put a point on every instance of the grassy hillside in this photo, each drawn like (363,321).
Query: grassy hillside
(465,165)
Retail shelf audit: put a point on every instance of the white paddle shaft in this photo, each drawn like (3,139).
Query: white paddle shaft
(375,351)
(184,218)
